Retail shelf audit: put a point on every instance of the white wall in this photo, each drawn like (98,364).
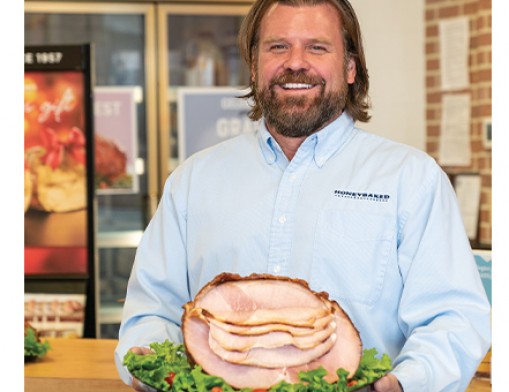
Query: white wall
(394,36)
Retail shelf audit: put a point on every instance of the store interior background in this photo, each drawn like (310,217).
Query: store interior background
(145,44)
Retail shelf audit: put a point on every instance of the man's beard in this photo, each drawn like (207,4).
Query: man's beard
(300,116)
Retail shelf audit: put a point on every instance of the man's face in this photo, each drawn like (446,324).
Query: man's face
(300,75)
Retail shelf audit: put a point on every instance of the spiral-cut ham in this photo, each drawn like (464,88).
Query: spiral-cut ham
(318,325)
(258,330)
(270,339)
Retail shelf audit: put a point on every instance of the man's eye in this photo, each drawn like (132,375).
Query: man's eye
(317,49)
(278,47)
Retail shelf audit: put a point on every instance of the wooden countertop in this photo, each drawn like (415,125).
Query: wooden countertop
(75,365)
(87,365)
(479,385)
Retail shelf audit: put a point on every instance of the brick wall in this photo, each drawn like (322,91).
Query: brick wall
(480,28)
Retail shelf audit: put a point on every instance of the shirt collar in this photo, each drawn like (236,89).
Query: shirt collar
(325,142)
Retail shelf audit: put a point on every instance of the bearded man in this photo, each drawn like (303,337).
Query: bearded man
(371,222)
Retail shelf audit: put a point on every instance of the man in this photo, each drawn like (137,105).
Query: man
(372,222)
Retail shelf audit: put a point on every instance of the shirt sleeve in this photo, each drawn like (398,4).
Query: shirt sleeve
(444,311)
(158,285)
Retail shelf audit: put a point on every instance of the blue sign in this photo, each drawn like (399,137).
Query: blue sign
(483,260)
(209,115)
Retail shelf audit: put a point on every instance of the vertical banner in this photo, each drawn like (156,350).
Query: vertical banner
(59,153)
(116,145)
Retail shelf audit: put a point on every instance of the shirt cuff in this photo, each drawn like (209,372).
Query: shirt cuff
(412,376)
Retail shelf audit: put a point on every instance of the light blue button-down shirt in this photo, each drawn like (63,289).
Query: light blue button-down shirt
(372,222)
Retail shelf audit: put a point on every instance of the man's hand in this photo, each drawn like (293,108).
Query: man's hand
(388,383)
(137,384)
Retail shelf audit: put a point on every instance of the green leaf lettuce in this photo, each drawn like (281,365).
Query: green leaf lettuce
(168,369)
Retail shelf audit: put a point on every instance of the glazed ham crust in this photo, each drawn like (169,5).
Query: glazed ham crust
(258,330)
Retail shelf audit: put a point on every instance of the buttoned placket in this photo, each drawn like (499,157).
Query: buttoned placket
(283,218)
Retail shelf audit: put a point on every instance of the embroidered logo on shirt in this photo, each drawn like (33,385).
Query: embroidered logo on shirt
(362,195)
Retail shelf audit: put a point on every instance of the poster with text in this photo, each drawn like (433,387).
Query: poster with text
(209,115)
(116,148)
(57,133)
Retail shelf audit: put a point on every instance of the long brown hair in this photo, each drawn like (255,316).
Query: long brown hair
(357,102)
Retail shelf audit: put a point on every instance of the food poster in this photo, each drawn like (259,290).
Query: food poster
(55,315)
(55,173)
(116,148)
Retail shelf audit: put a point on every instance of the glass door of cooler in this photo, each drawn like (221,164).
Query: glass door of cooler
(126,163)
(197,47)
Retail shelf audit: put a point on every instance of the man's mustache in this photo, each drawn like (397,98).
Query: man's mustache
(296,77)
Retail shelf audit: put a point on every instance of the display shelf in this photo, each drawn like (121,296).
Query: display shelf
(110,313)
(119,239)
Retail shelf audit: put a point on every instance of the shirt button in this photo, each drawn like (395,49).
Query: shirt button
(277,268)
(282,219)
(293,177)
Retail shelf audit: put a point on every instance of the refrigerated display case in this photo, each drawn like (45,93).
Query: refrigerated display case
(197,48)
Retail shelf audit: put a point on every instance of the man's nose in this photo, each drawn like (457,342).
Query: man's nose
(296,60)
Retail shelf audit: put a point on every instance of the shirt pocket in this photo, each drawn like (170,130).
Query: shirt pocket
(350,255)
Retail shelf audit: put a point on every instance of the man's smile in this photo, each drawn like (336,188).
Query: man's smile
(298,82)
(297,86)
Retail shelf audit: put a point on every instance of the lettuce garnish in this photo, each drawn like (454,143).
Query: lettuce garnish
(168,369)
(34,347)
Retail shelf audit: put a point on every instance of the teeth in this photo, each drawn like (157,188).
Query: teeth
(297,85)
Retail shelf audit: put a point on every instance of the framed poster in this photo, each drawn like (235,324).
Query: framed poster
(59,166)
(116,146)
(209,115)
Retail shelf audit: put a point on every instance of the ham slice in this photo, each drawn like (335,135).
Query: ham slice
(271,339)
(262,301)
(318,325)
(277,357)
(233,329)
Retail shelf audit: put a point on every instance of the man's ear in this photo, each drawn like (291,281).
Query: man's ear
(351,71)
